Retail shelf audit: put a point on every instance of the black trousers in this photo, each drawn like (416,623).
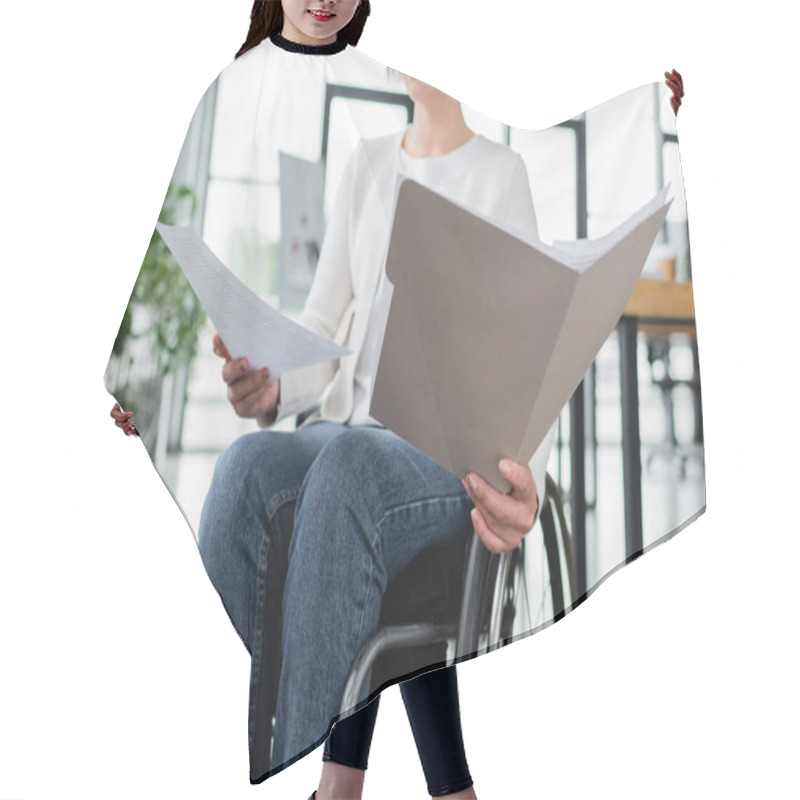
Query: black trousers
(432,705)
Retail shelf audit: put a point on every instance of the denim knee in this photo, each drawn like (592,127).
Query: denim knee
(351,463)
(341,460)
(344,477)
(230,487)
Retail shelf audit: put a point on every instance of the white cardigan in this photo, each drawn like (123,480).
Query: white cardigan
(480,174)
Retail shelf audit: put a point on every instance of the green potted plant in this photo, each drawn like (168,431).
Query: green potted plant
(158,336)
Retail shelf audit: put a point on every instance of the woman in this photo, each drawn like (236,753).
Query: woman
(433,707)
(340,471)
(443,148)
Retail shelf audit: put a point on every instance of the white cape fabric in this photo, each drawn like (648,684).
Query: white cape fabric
(288,173)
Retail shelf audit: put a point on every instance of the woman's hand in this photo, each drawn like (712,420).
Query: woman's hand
(250,391)
(502,520)
(675,82)
(124,420)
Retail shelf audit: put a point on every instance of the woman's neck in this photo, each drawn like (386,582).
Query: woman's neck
(437,129)
(294,34)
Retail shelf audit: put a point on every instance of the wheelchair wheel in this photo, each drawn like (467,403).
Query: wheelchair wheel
(534,583)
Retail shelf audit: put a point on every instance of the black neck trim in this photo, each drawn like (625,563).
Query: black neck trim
(308,49)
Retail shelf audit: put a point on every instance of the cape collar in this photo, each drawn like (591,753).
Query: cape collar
(308,49)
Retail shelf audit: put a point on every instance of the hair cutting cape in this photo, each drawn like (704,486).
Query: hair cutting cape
(260,179)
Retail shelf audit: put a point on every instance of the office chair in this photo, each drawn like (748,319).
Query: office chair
(658,350)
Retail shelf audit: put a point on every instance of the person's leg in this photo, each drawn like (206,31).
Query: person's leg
(244,533)
(346,754)
(368,505)
(255,482)
(351,737)
(432,705)
(433,710)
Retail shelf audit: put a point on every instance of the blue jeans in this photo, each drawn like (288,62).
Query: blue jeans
(300,534)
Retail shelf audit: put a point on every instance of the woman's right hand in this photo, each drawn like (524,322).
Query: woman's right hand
(674,81)
(250,391)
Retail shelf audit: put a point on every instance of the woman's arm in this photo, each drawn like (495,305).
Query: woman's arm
(251,392)
(502,520)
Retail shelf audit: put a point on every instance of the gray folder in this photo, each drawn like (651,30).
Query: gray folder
(490,331)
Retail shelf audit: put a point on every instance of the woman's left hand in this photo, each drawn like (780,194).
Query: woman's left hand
(124,420)
(502,520)
(675,82)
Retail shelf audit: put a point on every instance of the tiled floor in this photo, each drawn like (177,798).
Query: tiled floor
(668,498)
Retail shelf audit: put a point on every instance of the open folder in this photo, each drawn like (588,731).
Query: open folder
(247,324)
(490,331)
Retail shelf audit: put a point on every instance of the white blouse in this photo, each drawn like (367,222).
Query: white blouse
(349,298)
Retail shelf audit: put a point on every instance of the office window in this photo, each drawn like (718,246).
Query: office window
(241,222)
(621,162)
(550,156)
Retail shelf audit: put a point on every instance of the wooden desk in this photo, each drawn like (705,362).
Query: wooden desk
(667,307)
(661,299)
(658,308)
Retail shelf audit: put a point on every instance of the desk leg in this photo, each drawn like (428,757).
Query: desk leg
(577,448)
(696,395)
(591,417)
(631,443)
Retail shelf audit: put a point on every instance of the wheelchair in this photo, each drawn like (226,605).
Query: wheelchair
(466,598)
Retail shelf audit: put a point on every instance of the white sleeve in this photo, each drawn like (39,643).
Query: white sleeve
(329,303)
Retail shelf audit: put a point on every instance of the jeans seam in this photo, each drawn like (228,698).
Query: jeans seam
(367,582)
(416,503)
(280,499)
(276,503)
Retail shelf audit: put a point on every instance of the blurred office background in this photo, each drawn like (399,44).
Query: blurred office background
(587,175)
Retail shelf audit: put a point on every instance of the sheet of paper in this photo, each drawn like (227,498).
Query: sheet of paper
(249,326)
(582,253)
(489,333)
